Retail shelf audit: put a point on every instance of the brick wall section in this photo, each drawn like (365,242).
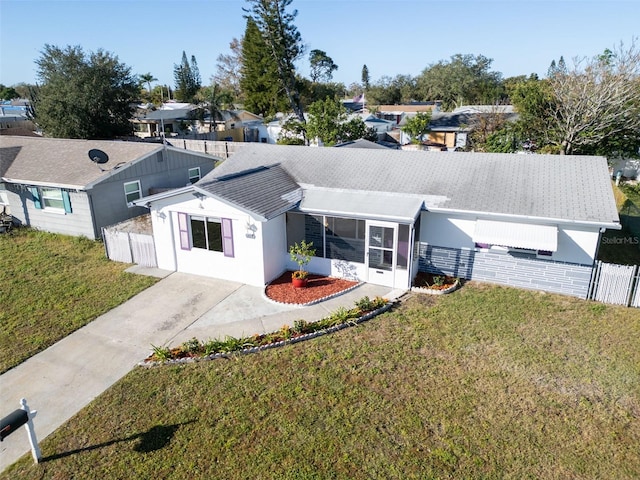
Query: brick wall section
(513,269)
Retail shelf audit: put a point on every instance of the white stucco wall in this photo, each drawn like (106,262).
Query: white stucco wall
(575,244)
(274,242)
(248,265)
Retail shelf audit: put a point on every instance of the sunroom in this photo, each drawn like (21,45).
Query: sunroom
(359,235)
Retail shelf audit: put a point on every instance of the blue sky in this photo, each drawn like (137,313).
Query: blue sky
(391,37)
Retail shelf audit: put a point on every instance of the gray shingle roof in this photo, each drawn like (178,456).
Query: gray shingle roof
(64,162)
(567,188)
(265,192)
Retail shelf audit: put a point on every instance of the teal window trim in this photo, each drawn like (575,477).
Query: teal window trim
(35,195)
(66,201)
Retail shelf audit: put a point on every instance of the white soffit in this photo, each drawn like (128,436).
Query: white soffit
(398,208)
(517,235)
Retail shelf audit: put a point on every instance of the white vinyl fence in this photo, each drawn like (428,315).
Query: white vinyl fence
(615,284)
(129,247)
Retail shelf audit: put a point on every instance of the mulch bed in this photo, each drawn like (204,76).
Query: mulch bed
(426,280)
(318,286)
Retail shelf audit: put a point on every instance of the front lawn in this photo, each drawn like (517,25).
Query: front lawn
(51,285)
(488,382)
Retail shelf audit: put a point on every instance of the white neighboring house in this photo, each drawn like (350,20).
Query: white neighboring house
(381,215)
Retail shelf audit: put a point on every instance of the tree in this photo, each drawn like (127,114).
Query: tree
(8,93)
(392,91)
(355,128)
(533,99)
(284,44)
(148,78)
(322,66)
(596,101)
(484,126)
(262,94)
(417,126)
(365,77)
(187,78)
(463,80)
(325,118)
(330,124)
(229,69)
(83,95)
(215,100)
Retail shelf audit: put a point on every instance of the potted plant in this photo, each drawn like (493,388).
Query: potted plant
(301,254)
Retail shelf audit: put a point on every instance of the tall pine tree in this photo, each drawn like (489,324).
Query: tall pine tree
(187,78)
(262,92)
(284,44)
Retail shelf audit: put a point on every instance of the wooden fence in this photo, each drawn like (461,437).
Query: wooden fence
(129,247)
(615,284)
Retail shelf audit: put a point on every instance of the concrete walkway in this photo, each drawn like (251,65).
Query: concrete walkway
(64,378)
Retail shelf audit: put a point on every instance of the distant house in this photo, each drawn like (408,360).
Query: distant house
(14,118)
(452,129)
(76,187)
(170,118)
(399,113)
(381,216)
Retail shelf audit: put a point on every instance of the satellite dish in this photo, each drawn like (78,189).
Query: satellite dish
(98,156)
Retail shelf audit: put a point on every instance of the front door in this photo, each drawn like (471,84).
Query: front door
(381,241)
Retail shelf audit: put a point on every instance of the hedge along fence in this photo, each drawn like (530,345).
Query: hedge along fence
(195,350)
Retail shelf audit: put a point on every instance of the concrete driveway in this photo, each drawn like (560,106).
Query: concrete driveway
(64,378)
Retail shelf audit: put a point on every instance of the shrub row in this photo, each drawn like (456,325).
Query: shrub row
(195,348)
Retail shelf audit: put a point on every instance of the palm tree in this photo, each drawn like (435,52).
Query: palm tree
(216,99)
(148,78)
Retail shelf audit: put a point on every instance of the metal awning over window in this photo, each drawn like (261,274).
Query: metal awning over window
(517,235)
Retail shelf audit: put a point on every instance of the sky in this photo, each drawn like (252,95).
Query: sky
(390,36)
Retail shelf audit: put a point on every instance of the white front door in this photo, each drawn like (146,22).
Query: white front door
(381,252)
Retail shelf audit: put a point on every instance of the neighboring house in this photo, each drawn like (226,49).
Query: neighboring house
(13,117)
(380,216)
(453,128)
(172,118)
(54,185)
(399,113)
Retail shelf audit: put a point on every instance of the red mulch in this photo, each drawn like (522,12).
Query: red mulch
(318,286)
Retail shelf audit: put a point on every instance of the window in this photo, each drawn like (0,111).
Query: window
(194,174)
(345,227)
(345,239)
(333,237)
(52,199)
(132,191)
(206,233)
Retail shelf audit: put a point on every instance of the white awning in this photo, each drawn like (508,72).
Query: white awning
(369,205)
(517,235)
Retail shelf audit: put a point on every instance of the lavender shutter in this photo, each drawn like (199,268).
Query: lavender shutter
(227,237)
(183,228)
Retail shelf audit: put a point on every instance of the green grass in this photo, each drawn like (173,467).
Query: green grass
(488,382)
(51,285)
(623,246)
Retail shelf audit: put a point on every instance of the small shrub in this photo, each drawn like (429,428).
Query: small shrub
(379,302)
(212,347)
(300,326)
(191,346)
(438,280)
(341,315)
(161,353)
(365,304)
(285,332)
